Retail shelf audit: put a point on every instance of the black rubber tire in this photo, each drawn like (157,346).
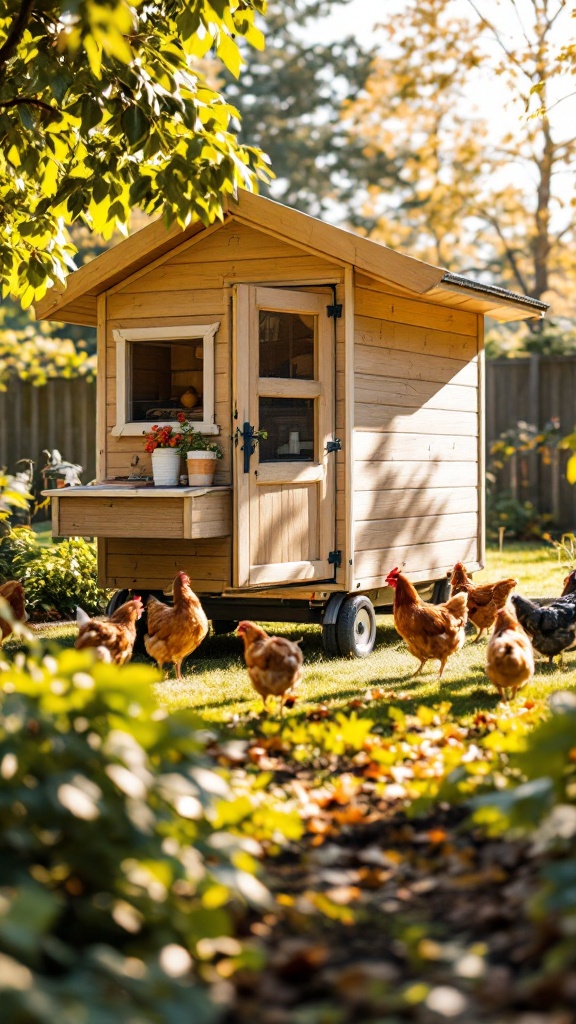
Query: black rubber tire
(441,591)
(221,626)
(142,625)
(330,640)
(356,627)
(118,597)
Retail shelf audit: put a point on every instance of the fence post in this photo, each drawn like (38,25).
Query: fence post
(534,406)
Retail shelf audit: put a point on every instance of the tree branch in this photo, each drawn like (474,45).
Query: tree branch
(24,101)
(16,32)
(561,100)
(488,24)
(509,253)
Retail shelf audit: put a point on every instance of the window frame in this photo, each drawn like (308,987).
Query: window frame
(129,336)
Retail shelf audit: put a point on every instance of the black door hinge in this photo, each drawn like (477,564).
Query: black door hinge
(335,311)
(335,558)
(333,446)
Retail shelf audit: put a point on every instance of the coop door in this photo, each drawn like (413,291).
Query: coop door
(284,419)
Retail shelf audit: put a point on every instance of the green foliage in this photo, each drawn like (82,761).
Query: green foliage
(32,353)
(103,108)
(12,496)
(60,578)
(568,443)
(194,441)
(544,808)
(118,888)
(519,516)
(521,519)
(18,547)
(565,549)
(549,337)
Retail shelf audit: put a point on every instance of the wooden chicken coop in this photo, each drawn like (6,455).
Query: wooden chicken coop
(362,366)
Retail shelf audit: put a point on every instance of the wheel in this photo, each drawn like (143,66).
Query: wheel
(329,640)
(118,598)
(142,624)
(356,627)
(221,626)
(441,591)
(329,637)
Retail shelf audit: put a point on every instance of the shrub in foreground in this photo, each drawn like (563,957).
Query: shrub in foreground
(118,883)
(18,547)
(61,577)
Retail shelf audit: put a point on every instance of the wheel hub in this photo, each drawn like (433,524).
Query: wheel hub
(362,626)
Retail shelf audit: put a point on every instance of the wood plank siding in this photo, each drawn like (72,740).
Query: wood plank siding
(416,437)
(194,286)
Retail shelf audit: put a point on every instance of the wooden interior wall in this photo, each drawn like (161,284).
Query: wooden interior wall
(194,286)
(416,437)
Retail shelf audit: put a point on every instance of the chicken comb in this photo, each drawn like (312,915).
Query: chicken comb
(137,598)
(393,572)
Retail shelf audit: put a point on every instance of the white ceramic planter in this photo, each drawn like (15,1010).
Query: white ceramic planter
(201,468)
(166,467)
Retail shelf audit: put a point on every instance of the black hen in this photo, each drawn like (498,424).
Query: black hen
(552,629)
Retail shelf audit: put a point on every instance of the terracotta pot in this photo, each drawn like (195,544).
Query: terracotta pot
(165,467)
(201,468)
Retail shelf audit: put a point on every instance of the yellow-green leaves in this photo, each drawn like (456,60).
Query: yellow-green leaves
(229,54)
(107,110)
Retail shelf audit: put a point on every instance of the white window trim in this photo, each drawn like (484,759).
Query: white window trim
(207,332)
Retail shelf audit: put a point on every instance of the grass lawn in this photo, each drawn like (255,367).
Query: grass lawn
(43,533)
(217,683)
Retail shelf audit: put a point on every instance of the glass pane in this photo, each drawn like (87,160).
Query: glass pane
(290,426)
(166,378)
(286,345)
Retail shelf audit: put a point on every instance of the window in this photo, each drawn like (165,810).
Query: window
(289,423)
(286,342)
(163,371)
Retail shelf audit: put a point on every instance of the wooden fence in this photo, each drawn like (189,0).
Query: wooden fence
(534,390)
(62,415)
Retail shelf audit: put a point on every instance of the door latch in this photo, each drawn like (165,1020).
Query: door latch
(250,437)
(333,446)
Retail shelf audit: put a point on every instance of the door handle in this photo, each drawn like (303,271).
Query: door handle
(250,438)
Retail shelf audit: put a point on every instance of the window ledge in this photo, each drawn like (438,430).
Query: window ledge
(137,429)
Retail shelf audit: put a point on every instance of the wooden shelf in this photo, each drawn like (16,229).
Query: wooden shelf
(133,510)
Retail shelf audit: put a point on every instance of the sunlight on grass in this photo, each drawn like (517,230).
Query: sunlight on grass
(217,684)
(535,566)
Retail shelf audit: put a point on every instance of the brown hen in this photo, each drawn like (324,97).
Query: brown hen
(274,663)
(431,631)
(484,600)
(112,638)
(13,594)
(509,654)
(174,631)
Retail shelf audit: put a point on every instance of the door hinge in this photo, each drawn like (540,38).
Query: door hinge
(333,446)
(335,311)
(335,558)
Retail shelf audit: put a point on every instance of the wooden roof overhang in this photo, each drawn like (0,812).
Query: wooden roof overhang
(77,302)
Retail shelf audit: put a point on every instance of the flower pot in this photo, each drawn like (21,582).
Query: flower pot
(166,467)
(201,468)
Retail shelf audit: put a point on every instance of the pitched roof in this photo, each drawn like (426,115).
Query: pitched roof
(77,302)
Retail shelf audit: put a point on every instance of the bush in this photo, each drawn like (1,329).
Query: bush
(119,886)
(543,807)
(18,547)
(521,519)
(61,577)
